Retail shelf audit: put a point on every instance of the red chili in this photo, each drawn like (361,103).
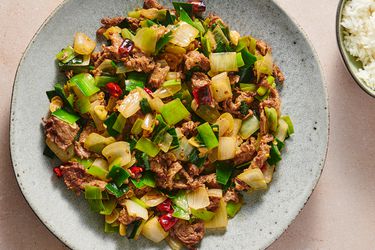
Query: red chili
(136,170)
(167,221)
(165,206)
(126,47)
(202,95)
(114,89)
(198,6)
(57,171)
(148,91)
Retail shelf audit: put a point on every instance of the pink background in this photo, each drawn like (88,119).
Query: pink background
(339,215)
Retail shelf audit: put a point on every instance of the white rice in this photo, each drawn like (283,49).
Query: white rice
(359,36)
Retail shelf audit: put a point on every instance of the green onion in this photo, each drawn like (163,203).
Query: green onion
(137,127)
(101,81)
(145,106)
(186,18)
(68,100)
(65,116)
(248,58)
(271,115)
(118,175)
(174,112)
(223,62)
(109,122)
(249,127)
(134,80)
(290,124)
(163,41)
(109,206)
(275,155)
(202,214)
(187,7)
(233,208)
(116,191)
(207,135)
(65,55)
(97,171)
(92,193)
(126,34)
(240,61)
(85,83)
(147,146)
(223,172)
(146,39)
(250,87)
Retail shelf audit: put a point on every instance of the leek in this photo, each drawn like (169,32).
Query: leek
(206,112)
(65,55)
(119,123)
(188,7)
(220,219)
(181,206)
(248,58)
(275,155)
(109,122)
(116,191)
(134,80)
(249,127)
(184,34)
(225,61)
(240,61)
(282,130)
(93,193)
(85,83)
(146,39)
(126,34)
(97,171)
(208,136)
(109,206)
(101,81)
(174,112)
(175,141)
(272,121)
(68,100)
(145,106)
(290,124)
(248,87)
(108,228)
(233,208)
(223,172)
(196,23)
(147,146)
(164,40)
(66,116)
(137,127)
(202,214)
(130,104)
(118,175)
(112,218)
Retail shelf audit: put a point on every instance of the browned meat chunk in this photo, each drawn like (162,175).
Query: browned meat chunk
(196,59)
(209,180)
(148,4)
(240,185)
(246,152)
(231,195)
(263,152)
(233,79)
(125,218)
(76,178)
(138,61)
(188,129)
(214,204)
(193,170)
(158,76)
(189,234)
(263,47)
(60,132)
(199,80)
(112,21)
(79,148)
(234,107)
(278,74)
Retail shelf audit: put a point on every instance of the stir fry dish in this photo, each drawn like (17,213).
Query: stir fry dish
(164,127)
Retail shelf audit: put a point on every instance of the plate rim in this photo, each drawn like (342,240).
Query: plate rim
(276,236)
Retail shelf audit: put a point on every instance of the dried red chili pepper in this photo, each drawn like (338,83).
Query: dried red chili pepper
(136,170)
(167,221)
(165,206)
(57,171)
(203,95)
(126,47)
(114,89)
(198,6)
(148,91)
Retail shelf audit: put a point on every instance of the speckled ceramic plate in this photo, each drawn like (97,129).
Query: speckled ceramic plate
(351,63)
(265,216)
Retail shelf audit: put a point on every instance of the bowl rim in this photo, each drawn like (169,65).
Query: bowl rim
(344,53)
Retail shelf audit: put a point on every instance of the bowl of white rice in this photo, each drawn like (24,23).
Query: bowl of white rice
(355,31)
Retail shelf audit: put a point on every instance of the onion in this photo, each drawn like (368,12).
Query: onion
(130,104)
(282,130)
(249,127)
(148,121)
(220,219)
(227,148)
(254,178)
(215,192)
(153,198)
(223,62)
(83,44)
(183,151)
(95,142)
(226,124)
(136,210)
(101,163)
(156,104)
(198,198)
(100,112)
(221,88)
(119,149)
(268,172)
(153,231)
(112,217)
(184,34)
(166,143)
(236,127)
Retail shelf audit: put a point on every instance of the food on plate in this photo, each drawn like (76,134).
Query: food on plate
(358,22)
(165,127)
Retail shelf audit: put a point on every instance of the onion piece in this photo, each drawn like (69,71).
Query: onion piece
(225,123)
(221,88)
(215,192)
(136,210)
(236,127)
(166,143)
(223,62)
(153,198)
(268,172)
(227,148)
(116,150)
(153,231)
(184,34)
(83,45)
(249,127)
(156,104)
(198,198)
(254,178)
(220,219)
(130,104)
(148,121)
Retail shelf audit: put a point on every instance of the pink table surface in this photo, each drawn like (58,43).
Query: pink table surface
(339,215)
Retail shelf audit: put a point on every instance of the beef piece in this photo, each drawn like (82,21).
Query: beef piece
(231,195)
(76,178)
(116,41)
(79,148)
(278,74)
(263,47)
(107,22)
(189,234)
(174,60)
(263,152)
(125,218)
(158,76)
(139,192)
(60,132)
(214,204)
(139,61)
(214,19)
(240,185)
(172,171)
(209,180)
(188,129)
(132,23)
(234,107)
(199,80)
(98,57)
(193,170)
(148,4)
(233,78)
(196,59)
(246,152)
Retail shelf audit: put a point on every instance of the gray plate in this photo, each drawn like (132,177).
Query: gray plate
(265,216)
